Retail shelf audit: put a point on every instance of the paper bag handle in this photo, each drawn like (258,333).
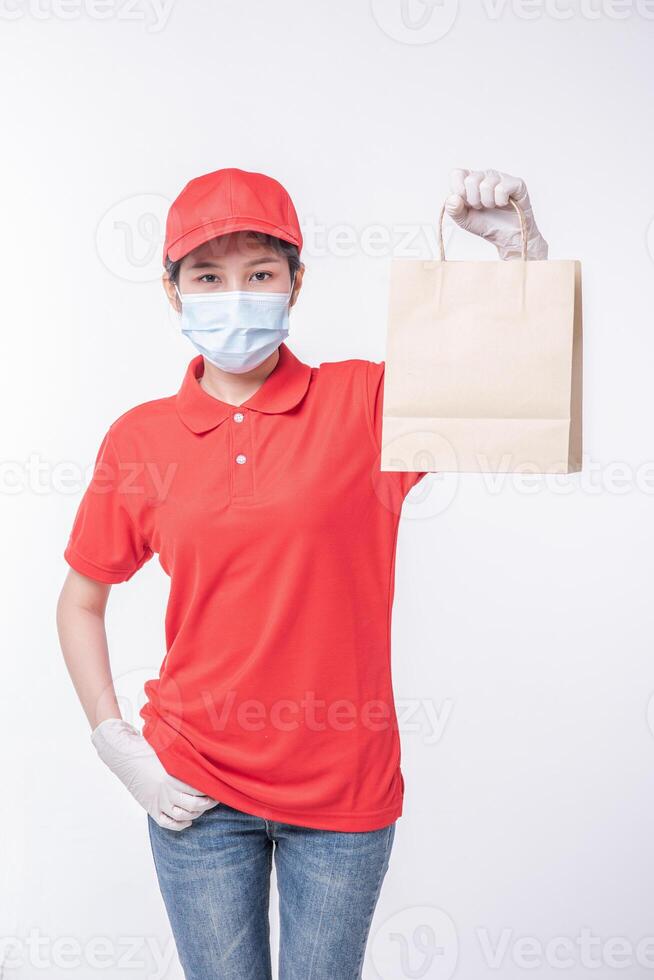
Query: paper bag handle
(523,230)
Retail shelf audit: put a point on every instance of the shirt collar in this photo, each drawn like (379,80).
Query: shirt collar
(283,389)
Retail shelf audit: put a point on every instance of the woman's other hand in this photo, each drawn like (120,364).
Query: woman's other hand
(479,203)
(170,802)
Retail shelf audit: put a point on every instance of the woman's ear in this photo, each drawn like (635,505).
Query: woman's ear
(171,292)
(297,285)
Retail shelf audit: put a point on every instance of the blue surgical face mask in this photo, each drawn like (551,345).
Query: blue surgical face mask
(235,330)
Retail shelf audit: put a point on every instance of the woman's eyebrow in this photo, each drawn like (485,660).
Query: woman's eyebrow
(264,258)
(204,264)
(212,264)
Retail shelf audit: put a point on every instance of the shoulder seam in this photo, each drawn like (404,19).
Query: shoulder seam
(141,405)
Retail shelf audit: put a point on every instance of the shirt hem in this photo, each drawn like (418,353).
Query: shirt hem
(89,568)
(193,774)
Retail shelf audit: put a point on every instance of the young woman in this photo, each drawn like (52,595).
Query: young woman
(271,727)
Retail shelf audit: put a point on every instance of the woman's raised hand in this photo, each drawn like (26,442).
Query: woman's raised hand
(479,203)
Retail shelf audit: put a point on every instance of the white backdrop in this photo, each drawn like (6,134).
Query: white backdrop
(522,629)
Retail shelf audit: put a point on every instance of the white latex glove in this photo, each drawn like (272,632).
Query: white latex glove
(170,802)
(479,203)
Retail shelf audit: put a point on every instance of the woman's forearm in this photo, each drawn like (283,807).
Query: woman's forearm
(83,638)
(171,802)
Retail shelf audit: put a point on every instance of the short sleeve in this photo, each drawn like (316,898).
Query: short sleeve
(375,405)
(105,542)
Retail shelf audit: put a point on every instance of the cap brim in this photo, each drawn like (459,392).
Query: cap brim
(213,229)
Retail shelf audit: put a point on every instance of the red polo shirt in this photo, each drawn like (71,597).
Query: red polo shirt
(278,531)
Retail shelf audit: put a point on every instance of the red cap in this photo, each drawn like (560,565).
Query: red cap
(225,201)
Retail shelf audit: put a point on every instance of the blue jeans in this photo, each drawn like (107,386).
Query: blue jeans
(214,877)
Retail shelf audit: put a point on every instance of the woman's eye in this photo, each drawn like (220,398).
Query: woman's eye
(256,276)
(209,277)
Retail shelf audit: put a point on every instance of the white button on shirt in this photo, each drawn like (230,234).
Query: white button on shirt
(238,416)
(241,458)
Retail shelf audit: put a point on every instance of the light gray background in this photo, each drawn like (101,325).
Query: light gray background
(523,616)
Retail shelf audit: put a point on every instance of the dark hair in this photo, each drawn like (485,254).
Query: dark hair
(287,249)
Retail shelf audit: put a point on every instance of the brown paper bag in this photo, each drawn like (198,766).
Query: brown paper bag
(483,365)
